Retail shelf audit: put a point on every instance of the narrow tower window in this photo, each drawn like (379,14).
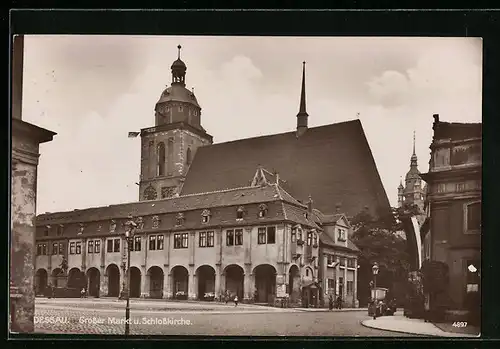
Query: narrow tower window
(188,156)
(170,156)
(161,159)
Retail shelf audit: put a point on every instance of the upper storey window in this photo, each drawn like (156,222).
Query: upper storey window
(472,217)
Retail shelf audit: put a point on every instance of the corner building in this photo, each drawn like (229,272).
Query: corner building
(452,231)
(213,219)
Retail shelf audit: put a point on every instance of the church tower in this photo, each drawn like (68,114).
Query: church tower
(168,148)
(414,190)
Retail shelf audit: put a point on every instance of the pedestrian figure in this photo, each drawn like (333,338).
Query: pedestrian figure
(330,302)
(339,302)
(226,297)
(236,301)
(49,293)
(82,293)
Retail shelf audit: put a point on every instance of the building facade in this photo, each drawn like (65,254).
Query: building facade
(452,231)
(201,232)
(25,151)
(338,261)
(257,242)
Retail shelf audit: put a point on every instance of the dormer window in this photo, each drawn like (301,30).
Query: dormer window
(205,216)
(60,230)
(179,219)
(262,210)
(240,212)
(112,226)
(140,223)
(46,230)
(341,235)
(81,228)
(156,222)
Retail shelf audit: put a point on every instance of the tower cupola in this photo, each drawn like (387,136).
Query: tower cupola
(179,69)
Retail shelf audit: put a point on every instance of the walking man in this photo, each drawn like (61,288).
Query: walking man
(236,301)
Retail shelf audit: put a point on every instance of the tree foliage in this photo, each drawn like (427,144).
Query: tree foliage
(381,241)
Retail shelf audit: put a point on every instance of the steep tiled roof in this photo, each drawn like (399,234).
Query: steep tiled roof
(231,197)
(327,240)
(331,163)
(322,218)
(296,214)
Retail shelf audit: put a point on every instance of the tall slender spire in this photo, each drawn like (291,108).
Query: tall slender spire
(413,160)
(179,51)
(302,115)
(302,108)
(413,141)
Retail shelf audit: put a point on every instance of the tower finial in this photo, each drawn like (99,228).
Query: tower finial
(302,115)
(179,51)
(413,142)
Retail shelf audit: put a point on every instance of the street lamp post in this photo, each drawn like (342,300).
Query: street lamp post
(130,226)
(375,272)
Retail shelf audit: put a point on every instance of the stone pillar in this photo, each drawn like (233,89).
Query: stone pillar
(170,286)
(337,274)
(144,283)
(23,245)
(192,291)
(218,289)
(103,286)
(123,279)
(25,146)
(248,286)
(167,292)
(355,284)
(344,296)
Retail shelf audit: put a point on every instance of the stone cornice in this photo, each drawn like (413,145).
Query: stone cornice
(25,156)
(38,134)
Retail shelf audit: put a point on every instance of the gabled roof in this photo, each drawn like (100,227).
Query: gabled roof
(332,163)
(238,196)
(327,240)
(322,218)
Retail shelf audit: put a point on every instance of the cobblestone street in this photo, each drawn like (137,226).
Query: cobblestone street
(176,318)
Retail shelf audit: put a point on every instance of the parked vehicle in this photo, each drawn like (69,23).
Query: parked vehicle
(380,305)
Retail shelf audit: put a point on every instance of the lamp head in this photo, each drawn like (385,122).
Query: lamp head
(472,268)
(375,269)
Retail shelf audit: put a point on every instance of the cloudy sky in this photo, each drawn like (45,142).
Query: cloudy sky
(93,90)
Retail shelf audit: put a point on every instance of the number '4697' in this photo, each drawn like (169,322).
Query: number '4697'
(459,324)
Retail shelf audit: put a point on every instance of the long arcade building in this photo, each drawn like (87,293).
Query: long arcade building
(256,242)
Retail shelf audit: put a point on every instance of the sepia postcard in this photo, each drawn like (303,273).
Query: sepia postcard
(246,186)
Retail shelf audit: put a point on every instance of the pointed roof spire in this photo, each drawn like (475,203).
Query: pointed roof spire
(179,51)
(413,159)
(413,141)
(302,115)
(302,108)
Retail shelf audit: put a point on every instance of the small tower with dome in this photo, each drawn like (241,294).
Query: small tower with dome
(168,148)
